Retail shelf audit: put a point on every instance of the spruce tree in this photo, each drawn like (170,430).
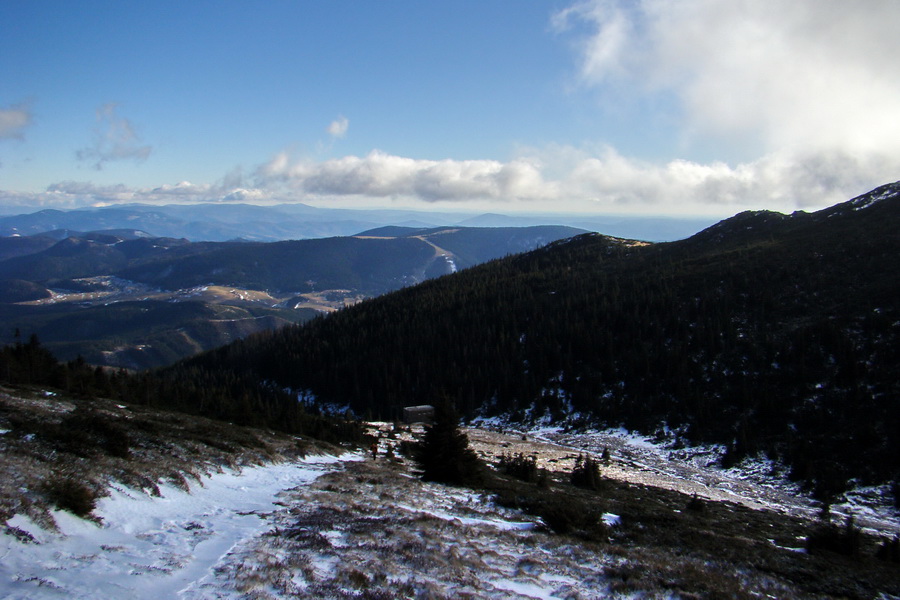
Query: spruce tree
(444,455)
(586,473)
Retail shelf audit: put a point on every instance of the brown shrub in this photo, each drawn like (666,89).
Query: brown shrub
(73,496)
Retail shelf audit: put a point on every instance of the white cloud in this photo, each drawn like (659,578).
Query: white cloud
(338,127)
(778,181)
(381,175)
(607,49)
(69,195)
(14,120)
(810,88)
(84,188)
(801,75)
(114,139)
(75,194)
(566,178)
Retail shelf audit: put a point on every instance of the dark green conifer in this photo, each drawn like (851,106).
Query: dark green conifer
(586,473)
(444,454)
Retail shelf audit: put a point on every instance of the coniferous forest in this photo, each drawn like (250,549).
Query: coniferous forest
(766,332)
(195,392)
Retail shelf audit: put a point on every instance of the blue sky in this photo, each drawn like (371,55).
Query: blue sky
(684,107)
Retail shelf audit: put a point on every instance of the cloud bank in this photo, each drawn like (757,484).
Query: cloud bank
(554,179)
(566,178)
(115,139)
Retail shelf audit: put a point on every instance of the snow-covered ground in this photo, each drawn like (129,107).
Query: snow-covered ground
(147,547)
(350,527)
(757,483)
(375,531)
(322,528)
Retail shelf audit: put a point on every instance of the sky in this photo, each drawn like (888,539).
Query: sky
(653,107)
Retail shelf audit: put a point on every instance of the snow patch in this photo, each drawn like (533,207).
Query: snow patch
(611,520)
(883,193)
(148,547)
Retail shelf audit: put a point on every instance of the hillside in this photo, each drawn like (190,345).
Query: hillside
(138,334)
(120,298)
(177,505)
(766,332)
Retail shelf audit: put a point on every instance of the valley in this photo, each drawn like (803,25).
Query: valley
(124,299)
(109,289)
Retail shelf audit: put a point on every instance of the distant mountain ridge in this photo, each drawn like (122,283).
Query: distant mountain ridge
(225,222)
(368,263)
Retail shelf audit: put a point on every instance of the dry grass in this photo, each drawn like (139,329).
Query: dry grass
(669,542)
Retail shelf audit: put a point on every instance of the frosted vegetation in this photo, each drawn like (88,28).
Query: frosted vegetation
(269,523)
(103,500)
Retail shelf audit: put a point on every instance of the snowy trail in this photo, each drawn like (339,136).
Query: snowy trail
(150,547)
(372,531)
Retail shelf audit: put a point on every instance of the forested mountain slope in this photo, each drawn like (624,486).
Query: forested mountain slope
(765,332)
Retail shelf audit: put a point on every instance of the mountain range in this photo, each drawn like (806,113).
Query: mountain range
(226,222)
(123,298)
(767,333)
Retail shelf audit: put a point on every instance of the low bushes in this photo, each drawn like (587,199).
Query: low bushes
(524,468)
(586,473)
(827,536)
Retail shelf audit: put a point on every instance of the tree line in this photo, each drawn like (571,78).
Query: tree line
(189,390)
